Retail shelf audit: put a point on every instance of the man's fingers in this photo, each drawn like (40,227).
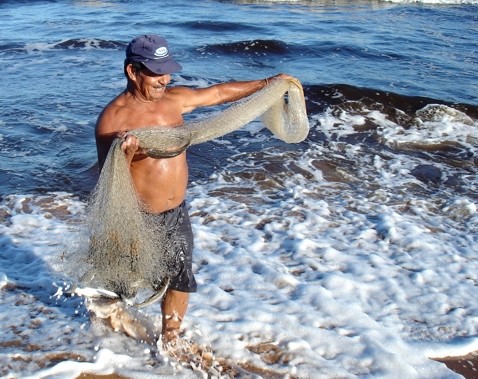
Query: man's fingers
(130,144)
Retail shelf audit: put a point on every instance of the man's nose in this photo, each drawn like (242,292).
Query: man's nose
(164,79)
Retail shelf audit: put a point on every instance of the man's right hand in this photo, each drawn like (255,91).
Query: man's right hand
(129,146)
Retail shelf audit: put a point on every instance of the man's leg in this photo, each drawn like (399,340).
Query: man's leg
(173,307)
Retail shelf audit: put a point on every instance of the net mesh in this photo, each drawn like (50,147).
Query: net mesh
(125,251)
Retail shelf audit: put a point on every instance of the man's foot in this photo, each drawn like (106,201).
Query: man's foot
(173,309)
(170,337)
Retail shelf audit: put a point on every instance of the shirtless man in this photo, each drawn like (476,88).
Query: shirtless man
(161,183)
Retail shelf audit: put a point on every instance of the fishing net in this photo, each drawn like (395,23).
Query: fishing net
(127,252)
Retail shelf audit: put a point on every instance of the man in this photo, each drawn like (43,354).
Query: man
(161,183)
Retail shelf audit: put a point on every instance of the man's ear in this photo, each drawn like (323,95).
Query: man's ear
(131,72)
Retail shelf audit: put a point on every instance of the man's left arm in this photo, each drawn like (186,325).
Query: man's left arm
(224,93)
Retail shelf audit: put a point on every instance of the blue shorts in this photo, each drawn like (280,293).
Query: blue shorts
(178,227)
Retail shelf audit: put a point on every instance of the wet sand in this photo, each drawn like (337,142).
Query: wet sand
(466,366)
(270,353)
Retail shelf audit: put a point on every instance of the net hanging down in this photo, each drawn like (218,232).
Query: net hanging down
(124,251)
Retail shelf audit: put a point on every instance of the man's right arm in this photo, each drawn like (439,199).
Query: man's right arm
(105,134)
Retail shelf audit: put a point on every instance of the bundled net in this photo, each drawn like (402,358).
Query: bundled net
(127,252)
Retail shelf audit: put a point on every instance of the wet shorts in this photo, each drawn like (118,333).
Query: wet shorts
(178,226)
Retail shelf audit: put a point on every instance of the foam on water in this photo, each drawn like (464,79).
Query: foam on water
(357,274)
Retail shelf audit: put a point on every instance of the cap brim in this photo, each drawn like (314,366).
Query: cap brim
(163,67)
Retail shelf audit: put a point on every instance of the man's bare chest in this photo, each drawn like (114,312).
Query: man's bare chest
(139,118)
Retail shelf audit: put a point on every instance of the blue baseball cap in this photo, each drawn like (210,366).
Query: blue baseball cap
(153,52)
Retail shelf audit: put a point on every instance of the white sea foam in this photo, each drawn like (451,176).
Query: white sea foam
(343,278)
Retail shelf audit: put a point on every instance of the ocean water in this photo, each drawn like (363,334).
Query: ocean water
(351,254)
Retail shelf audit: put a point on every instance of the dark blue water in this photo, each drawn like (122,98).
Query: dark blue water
(62,62)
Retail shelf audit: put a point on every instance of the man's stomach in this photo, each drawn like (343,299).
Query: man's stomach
(160,183)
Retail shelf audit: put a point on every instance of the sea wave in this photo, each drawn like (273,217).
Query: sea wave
(252,47)
(73,43)
(337,112)
(377,120)
(88,43)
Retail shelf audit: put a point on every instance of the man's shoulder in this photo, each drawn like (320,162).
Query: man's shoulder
(118,102)
(179,91)
(111,114)
(187,98)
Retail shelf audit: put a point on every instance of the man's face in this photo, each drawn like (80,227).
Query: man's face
(151,86)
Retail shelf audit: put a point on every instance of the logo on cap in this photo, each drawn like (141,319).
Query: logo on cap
(161,52)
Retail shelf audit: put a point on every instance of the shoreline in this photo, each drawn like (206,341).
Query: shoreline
(466,365)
